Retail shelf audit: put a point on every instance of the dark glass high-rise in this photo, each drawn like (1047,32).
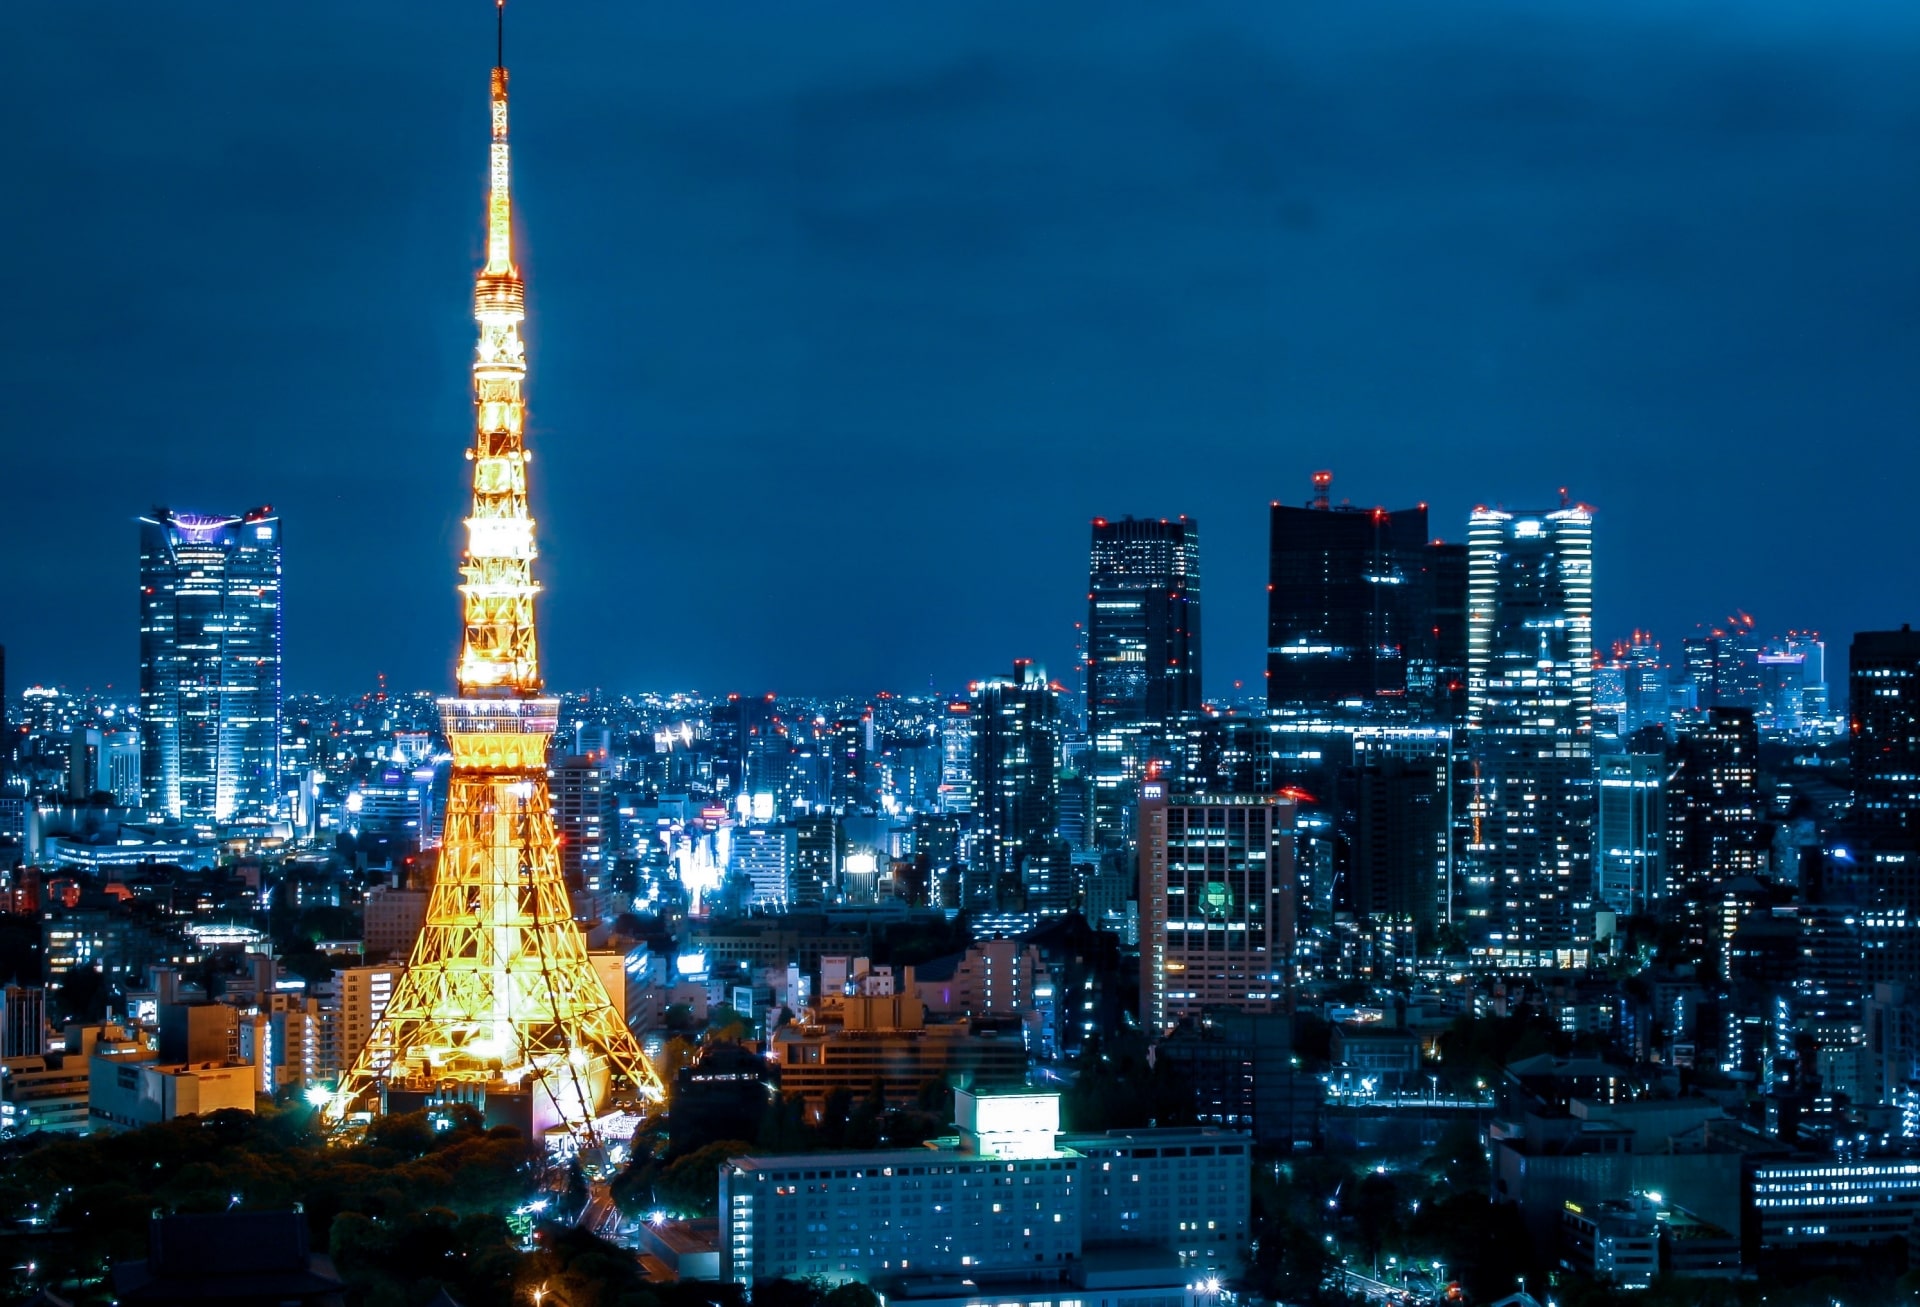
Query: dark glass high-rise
(1365,614)
(1143,652)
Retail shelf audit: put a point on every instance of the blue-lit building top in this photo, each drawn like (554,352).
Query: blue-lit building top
(210,642)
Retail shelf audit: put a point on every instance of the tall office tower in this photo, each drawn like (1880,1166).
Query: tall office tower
(103,761)
(1884,703)
(1793,686)
(1723,663)
(1812,651)
(584,818)
(766,856)
(1364,613)
(740,730)
(849,756)
(1641,680)
(120,768)
(500,1005)
(1075,820)
(938,844)
(1401,834)
(1216,887)
(6,721)
(1016,759)
(956,757)
(1714,807)
(818,848)
(86,762)
(210,664)
(1338,619)
(1630,848)
(1437,668)
(1143,648)
(1530,731)
(1609,699)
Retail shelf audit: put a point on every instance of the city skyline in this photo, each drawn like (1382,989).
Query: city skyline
(1231,253)
(1475,943)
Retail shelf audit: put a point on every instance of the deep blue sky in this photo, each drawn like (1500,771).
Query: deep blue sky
(847,317)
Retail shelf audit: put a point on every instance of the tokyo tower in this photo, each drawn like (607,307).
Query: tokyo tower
(499,1006)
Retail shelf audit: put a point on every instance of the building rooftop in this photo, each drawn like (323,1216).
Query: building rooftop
(230,1257)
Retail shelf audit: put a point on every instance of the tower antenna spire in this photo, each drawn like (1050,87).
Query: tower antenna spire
(500,33)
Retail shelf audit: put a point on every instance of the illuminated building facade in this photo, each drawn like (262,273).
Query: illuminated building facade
(1630,687)
(499,1005)
(1014,1194)
(104,761)
(734,729)
(584,815)
(765,857)
(1143,649)
(1530,734)
(1884,676)
(956,757)
(1809,1205)
(1630,862)
(1715,811)
(1216,904)
(210,696)
(1016,759)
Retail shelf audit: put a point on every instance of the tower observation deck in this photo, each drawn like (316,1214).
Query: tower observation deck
(500,1007)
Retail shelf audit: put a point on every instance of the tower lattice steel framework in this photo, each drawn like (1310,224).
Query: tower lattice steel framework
(499,997)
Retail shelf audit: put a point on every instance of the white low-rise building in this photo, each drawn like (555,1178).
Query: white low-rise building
(1011,1194)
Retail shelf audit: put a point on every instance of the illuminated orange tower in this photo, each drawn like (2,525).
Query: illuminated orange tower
(500,1006)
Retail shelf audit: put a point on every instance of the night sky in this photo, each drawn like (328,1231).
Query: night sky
(845,318)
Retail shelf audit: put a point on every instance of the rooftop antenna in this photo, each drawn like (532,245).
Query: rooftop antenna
(1322,485)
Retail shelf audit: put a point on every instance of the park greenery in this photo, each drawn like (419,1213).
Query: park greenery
(405,1213)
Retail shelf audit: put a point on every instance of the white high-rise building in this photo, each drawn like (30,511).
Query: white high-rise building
(766,857)
(1530,891)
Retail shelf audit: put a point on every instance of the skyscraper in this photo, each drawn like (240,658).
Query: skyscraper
(1143,649)
(1398,858)
(210,664)
(104,760)
(1884,691)
(1723,662)
(1364,612)
(1714,806)
(1530,731)
(500,1006)
(956,757)
(584,818)
(748,756)
(1016,760)
(1216,891)
(1437,668)
(1630,850)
